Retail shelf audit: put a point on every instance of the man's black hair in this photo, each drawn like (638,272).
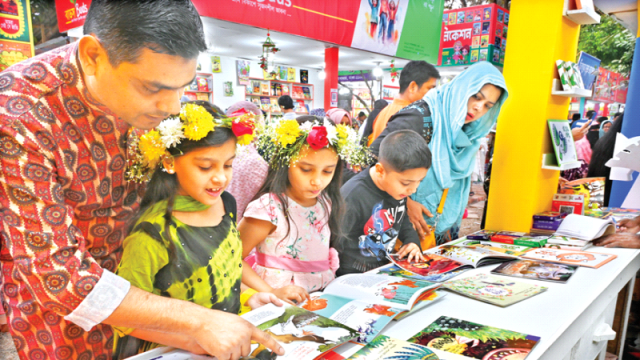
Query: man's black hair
(361,114)
(418,71)
(575,117)
(286,102)
(590,114)
(404,150)
(125,27)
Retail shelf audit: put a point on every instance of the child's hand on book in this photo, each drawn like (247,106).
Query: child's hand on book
(411,251)
(263,298)
(291,294)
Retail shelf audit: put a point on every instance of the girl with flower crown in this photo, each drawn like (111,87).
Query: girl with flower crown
(293,222)
(185,244)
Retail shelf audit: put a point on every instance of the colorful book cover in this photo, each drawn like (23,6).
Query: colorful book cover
(433,264)
(484,53)
(487,14)
(255,87)
(549,216)
(506,18)
(469,16)
(571,257)
(216,67)
(306,92)
(502,56)
(284,89)
(243,67)
(475,42)
(485,27)
(297,92)
(477,15)
(393,270)
(384,347)
(481,235)
(284,73)
(591,188)
(300,332)
(445,18)
(568,203)
(484,42)
(194,85)
(474,56)
(460,17)
(265,104)
(302,107)
(475,341)
(494,290)
(498,30)
(536,270)
(503,45)
(504,32)
(203,84)
(228,88)
(477,29)
(475,257)
(508,249)
(264,88)
(304,76)
(275,108)
(500,15)
(496,54)
(291,74)
(452,18)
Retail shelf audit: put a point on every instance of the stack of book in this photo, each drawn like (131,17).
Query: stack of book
(519,238)
(547,223)
(577,232)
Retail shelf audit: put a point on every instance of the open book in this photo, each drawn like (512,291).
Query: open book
(585,227)
(571,257)
(537,270)
(368,303)
(384,347)
(494,290)
(302,334)
(395,270)
(507,249)
(470,256)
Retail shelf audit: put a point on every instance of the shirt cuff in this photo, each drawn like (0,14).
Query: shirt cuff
(101,302)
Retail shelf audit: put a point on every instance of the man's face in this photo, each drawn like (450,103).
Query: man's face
(145,92)
(418,92)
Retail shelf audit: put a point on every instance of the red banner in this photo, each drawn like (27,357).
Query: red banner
(71,13)
(330,21)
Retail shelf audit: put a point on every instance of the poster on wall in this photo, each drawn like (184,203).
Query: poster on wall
(243,67)
(16,41)
(228,88)
(216,67)
(304,76)
(70,14)
(378,28)
(291,74)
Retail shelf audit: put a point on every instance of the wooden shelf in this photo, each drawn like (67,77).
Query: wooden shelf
(203,92)
(549,163)
(282,81)
(269,96)
(556,89)
(583,16)
(301,99)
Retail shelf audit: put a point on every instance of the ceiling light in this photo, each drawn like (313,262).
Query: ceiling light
(377,71)
(322,75)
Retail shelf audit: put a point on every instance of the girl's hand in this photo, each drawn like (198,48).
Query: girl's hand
(291,294)
(263,298)
(412,251)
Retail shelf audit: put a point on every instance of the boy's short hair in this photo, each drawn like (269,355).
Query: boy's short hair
(419,71)
(361,114)
(404,150)
(286,102)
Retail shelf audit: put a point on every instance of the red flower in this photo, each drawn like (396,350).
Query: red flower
(240,128)
(317,137)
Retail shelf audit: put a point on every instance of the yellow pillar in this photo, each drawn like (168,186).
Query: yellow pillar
(538,36)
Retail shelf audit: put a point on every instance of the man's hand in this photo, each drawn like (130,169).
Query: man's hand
(416,211)
(630,225)
(579,133)
(263,298)
(622,240)
(292,294)
(228,336)
(411,251)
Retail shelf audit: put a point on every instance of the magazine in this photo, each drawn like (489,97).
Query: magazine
(394,270)
(494,290)
(537,270)
(474,341)
(507,249)
(473,257)
(302,334)
(571,257)
(432,265)
(384,347)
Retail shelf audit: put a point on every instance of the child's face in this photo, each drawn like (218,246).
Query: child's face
(204,173)
(311,174)
(399,185)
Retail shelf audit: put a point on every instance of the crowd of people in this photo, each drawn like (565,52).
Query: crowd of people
(130,219)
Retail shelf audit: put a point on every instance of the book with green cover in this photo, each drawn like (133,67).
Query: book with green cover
(494,290)
(384,347)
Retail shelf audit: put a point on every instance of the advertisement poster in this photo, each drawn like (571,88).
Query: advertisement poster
(481,27)
(71,13)
(16,41)
(378,29)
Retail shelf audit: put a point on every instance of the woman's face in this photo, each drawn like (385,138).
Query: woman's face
(606,127)
(481,102)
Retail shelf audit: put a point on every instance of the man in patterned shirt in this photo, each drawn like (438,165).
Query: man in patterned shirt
(64,200)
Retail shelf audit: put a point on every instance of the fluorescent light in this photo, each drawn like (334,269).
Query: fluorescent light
(377,71)
(322,75)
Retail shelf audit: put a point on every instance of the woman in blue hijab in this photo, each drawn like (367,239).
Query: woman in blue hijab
(453,119)
(604,127)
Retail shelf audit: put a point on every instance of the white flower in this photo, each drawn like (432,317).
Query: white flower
(306,127)
(332,132)
(171,132)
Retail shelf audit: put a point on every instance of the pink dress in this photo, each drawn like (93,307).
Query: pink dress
(249,173)
(303,257)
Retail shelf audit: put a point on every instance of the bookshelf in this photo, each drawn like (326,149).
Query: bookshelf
(265,94)
(201,88)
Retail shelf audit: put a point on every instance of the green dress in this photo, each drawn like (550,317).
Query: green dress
(202,265)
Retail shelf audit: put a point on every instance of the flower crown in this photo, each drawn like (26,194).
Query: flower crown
(280,143)
(194,123)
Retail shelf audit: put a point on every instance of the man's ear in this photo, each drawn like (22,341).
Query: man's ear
(91,55)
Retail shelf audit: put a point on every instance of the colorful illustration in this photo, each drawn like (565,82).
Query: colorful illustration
(474,256)
(474,56)
(228,88)
(384,347)
(475,341)
(299,331)
(562,140)
(477,28)
(504,32)
(315,304)
(380,236)
(460,17)
(484,41)
(379,25)
(496,42)
(380,310)
(496,54)
(487,13)
(291,74)
(537,270)
(216,67)
(469,16)
(477,15)
(591,188)
(476,42)
(494,290)
(508,249)
(500,15)
(394,270)
(452,18)
(485,27)
(433,264)
(243,67)
(573,257)
(506,18)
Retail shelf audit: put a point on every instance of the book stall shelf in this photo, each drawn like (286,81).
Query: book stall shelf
(201,88)
(265,94)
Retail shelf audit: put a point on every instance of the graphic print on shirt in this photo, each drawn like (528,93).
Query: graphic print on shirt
(380,237)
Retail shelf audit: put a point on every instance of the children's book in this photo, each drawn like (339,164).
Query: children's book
(255,87)
(475,341)
(571,257)
(477,15)
(264,88)
(291,74)
(474,56)
(481,235)
(471,257)
(265,103)
(494,290)
(537,270)
(302,334)
(284,73)
(216,67)
(485,27)
(507,249)
(591,188)
(469,16)
(384,347)
(302,107)
(394,270)
(284,89)
(243,68)
(275,108)
(297,92)
(306,92)
(568,204)
(432,265)
(484,42)
(304,76)
(487,13)
(585,227)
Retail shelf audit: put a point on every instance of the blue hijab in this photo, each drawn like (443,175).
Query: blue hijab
(454,145)
(602,127)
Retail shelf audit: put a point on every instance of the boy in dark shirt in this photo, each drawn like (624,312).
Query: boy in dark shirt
(376,205)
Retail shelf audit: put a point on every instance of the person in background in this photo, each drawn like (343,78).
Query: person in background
(416,79)
(286,104)
(359,121)
(603,152)
(68,120)
(339,116)
(591,114)
(605,126)
(249,168)
(594,130)
(367,127)
(452,119)
(627,236)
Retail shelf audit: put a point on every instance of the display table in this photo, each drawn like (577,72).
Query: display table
(567,317)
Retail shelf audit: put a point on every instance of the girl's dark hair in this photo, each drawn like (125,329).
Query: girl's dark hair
(603,152)
(277,184)
(163,185)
